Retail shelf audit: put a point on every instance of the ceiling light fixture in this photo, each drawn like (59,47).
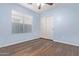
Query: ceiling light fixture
(40,5)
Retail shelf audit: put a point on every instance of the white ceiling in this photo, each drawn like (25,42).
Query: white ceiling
(34,7)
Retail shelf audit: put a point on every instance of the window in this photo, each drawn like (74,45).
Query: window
(21,23)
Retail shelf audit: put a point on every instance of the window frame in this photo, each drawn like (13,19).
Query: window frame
(23,19)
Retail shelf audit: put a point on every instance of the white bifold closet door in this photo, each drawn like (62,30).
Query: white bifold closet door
(47,27)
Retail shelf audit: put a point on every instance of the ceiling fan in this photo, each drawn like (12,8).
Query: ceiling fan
(41,4)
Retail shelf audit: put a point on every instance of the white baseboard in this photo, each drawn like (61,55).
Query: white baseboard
(12,43)
(65,42)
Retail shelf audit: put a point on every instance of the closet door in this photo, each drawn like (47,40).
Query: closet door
(47,27)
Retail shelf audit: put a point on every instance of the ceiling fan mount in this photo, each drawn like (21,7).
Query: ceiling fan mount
(40,4)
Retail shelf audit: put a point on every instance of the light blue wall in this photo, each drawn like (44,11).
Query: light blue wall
(6,37)
(66,22)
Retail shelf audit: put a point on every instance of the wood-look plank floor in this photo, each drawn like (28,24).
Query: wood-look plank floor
(40,47)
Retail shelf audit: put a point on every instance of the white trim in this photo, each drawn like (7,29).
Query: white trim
(5,45)
(65,42)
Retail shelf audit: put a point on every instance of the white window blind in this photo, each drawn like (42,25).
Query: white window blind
(21,23)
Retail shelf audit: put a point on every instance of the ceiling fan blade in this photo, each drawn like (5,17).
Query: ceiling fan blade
(39,7)
(30,3)
(49,3)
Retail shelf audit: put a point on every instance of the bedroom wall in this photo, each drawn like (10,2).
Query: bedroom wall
(65,22)
(6,36)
